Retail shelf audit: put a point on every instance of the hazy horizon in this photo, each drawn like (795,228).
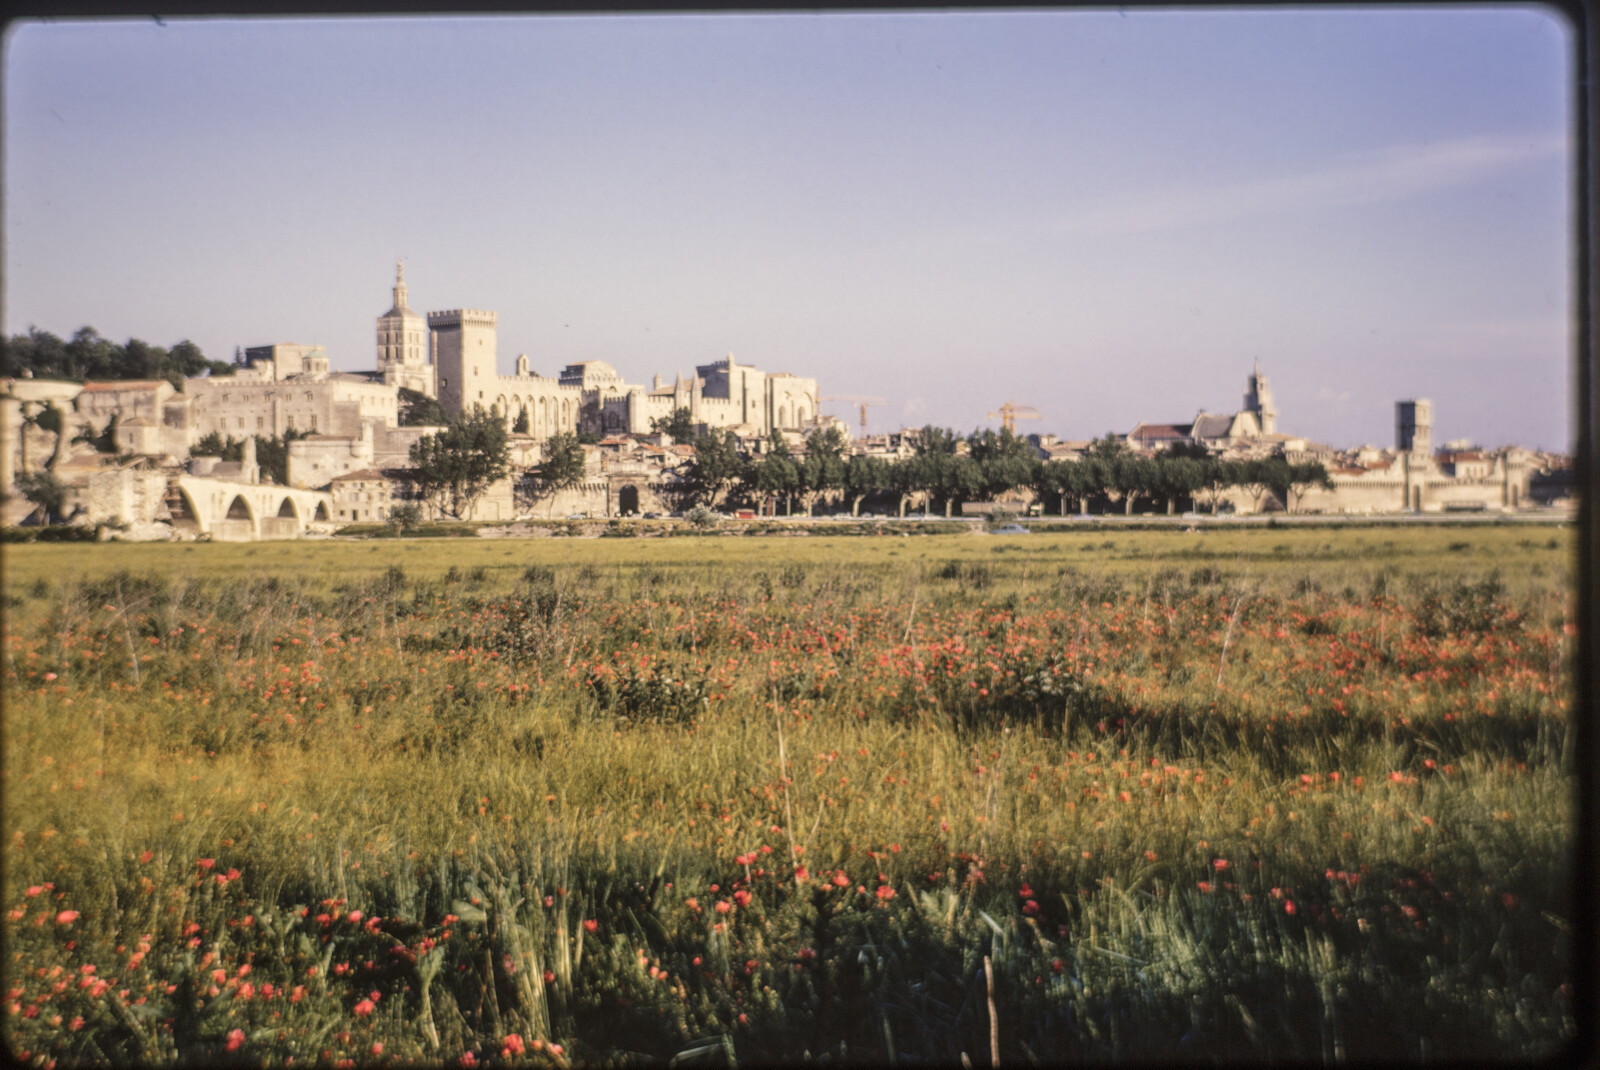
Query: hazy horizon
(1107,215)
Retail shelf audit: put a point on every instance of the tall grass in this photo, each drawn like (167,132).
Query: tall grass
(1258,795)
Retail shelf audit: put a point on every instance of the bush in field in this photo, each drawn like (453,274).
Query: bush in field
(702,517)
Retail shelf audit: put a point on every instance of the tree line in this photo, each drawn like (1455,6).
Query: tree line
(86,355)
(454,467)
(941,476)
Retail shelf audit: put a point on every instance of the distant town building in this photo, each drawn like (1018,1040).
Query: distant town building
(1413,421)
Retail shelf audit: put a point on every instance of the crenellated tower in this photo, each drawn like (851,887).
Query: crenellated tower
(463,345)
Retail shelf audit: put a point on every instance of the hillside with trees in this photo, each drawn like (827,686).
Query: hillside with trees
(86,355)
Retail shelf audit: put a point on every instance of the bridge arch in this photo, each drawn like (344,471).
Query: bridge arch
(239,509)
(288,509)
(184,515)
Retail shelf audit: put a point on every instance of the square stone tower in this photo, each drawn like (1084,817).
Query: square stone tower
(463,345)
(1413,426)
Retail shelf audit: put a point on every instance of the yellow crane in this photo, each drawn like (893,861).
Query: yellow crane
(1011,412)
(857,400)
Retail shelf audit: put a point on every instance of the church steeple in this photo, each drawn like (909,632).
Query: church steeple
(1258,400)
(403,341)
(400,284)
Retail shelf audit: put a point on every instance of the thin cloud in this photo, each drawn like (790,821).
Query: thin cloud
(1366,178)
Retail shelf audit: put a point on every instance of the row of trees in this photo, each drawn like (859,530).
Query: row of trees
(86,355)
(940,475)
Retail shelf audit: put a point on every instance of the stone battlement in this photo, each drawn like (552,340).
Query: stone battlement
(454,317)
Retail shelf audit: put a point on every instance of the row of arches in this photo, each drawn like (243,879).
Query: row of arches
(545,415)
(186,516)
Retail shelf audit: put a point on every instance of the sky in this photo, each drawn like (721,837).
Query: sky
(1107,215)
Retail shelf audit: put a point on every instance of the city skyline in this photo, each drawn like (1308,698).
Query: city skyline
(1108,216)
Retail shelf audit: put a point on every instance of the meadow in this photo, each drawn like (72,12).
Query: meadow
(1077,795)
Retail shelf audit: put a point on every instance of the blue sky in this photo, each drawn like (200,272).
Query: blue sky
(1106,215)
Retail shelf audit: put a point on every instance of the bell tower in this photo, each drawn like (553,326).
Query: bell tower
(403,342)
(1258,400)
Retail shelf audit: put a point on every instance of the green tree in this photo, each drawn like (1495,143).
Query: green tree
(960,480)
(406,518)
(1071,481)
(1216,476)
(1006,461)
(1100,467)
(563,467)
(1256,476)
(1293,480)
(454,467)
(929,468)
(419,410)
(774,474)
(909,477)
(272,455)
(519,426)
(212,444)
(865,475)
(716,466)
(1175,477)
(38,353)
(89,356)
(823,468)
(680,425)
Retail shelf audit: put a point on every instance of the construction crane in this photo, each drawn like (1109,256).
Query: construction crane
(856,400)
(1011,412)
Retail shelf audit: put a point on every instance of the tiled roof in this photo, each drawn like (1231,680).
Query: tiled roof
(1160,431)
(1208,426)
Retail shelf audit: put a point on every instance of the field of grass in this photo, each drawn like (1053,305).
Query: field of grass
(1109,796)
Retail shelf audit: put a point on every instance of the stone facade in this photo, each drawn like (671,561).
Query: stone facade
(280,361)
(370,495)
(334,403)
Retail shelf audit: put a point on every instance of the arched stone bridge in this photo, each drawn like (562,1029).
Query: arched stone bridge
(241,512)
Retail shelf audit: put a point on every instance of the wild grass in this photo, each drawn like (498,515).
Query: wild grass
(1241,795)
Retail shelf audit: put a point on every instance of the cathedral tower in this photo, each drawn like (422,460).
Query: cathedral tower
(402,343)
(1258,400)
